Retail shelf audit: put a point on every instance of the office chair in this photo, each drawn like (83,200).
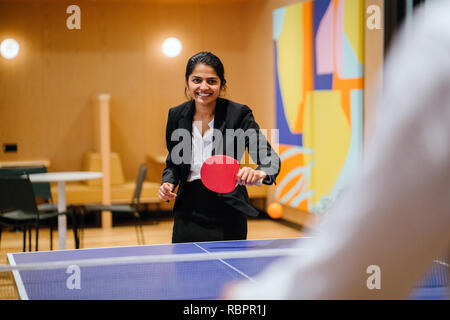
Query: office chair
(41,190)
(18,208)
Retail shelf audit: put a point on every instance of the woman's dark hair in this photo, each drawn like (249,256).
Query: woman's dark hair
(209,59)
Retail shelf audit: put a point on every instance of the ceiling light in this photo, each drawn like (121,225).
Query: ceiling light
(171,47)
(9,48)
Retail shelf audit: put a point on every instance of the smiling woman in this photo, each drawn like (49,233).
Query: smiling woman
(204,86)
(201,214)
(204,66)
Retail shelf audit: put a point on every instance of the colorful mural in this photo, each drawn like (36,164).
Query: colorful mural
(319,65)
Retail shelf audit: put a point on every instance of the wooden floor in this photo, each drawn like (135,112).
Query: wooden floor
(159,232)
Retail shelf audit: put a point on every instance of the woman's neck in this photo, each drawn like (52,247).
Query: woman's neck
(205,111)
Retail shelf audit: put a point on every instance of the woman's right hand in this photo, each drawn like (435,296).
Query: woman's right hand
(165,192)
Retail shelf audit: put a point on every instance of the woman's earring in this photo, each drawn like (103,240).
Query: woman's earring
(186,93)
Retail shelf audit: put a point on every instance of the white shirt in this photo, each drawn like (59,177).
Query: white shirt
(396,214)
(201,148)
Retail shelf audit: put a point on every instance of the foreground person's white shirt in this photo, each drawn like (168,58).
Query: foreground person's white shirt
(396,214)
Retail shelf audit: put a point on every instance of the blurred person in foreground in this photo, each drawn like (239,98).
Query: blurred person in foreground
(396,212)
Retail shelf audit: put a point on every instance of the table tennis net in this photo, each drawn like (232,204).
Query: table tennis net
(155,259)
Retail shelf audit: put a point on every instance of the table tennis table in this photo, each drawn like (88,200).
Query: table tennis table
(187,280)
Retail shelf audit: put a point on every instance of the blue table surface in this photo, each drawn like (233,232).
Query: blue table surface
(174,280)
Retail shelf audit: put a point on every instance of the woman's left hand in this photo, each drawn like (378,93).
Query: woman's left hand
(248,176)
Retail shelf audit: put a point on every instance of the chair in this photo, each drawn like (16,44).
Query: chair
(132,208)
(41,190)
(18,207)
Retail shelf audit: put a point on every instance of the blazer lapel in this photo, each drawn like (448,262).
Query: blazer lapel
(185,122)
(187,116)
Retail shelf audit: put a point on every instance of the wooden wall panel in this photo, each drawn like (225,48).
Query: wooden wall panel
(46,93)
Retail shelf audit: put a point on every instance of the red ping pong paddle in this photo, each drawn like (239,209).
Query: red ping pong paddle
(219,173)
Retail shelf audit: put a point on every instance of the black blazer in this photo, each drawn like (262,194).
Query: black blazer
(228,115)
